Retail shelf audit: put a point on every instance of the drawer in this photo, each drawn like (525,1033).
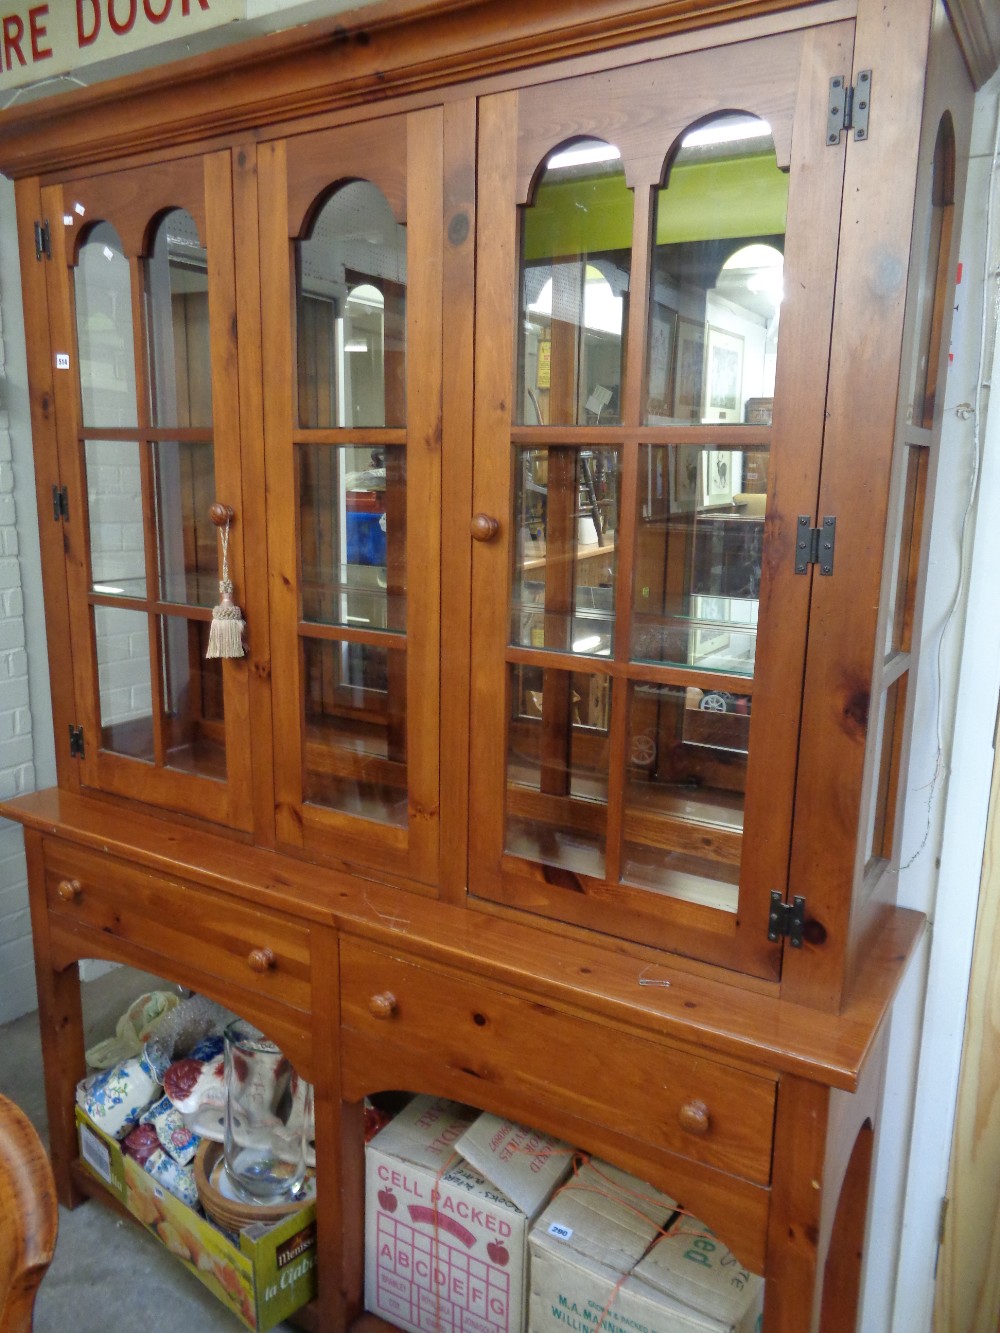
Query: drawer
(217,935)
(401,1016)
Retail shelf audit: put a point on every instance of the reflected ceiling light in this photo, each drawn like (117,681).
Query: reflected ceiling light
(356,345)
(726,131)
(583,155)
(586,645)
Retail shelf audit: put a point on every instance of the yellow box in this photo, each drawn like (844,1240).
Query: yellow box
(263,1275)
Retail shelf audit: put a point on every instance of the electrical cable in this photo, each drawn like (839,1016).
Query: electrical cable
(990,311)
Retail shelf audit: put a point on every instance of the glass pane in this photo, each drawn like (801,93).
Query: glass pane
(194,725)
(699,541)
(177,310)
(716,283)
(935,282)
(114,517)
(566,520)
(105,348)
(355,716)
(576,255)
(188,540)
(352,536)
(684,792)
(124,680)
(557,768)
(909,535)
(888,739)
(351,313)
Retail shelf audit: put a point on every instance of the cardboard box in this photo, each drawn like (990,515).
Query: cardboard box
(450,1196)
(584,1245)
(262,1275)
(599,1256)
(693,1268)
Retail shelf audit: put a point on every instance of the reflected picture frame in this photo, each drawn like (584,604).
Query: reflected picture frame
(721,477)
(689,369)
(723,376)
(686,483)
(661,362)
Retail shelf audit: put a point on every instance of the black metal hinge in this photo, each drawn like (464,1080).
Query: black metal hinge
(75,742)
(848,107)
(60,503)
(785,920)
(43,240)
(815,546)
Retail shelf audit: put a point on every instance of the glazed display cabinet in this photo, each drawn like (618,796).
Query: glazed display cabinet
(557,394)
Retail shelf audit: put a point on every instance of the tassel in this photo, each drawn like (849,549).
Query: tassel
(225,637)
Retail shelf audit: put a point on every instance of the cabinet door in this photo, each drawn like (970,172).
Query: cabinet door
(654,294)
(351,263)
(142,300)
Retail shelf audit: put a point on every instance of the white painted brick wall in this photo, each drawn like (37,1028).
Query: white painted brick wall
(17,768)
(27,756)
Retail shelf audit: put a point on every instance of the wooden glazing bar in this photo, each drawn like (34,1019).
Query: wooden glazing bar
(375,638)
(359,436)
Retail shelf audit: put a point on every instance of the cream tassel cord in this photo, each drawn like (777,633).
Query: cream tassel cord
(225,638)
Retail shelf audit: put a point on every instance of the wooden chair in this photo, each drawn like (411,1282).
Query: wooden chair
(29,1217)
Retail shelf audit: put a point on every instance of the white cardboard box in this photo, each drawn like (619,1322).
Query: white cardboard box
(599,1258)
(450,1194)
(592,1234)
(693,1267)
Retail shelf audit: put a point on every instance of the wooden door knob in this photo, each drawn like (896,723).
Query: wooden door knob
(69,890)
(220,514)
(694,1118)
(484,527)
(382,1005)
(260,960)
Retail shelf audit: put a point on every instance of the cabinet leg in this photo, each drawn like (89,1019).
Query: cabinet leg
(823,1147)
(60,1019)
(339,1132)
(793,1230)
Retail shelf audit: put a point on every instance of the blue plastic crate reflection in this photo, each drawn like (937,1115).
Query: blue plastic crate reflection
(366,539)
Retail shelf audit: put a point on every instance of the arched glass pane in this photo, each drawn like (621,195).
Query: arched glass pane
(576,254)
(177,309)
(180,390)
(935,281)
(105,347)
(351,313)
(716,280)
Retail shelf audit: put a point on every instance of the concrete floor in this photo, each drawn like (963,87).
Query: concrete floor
(107,1272)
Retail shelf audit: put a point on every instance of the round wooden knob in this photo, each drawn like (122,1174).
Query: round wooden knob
(693,1117)
(484,527)
(382,1005)
(220,514)
(69,890)
(260,960)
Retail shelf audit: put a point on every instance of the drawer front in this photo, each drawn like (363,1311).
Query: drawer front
(218,935)
(395,1011)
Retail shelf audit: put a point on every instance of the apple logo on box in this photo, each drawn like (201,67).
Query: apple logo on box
(387,1201)
(498,1253)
